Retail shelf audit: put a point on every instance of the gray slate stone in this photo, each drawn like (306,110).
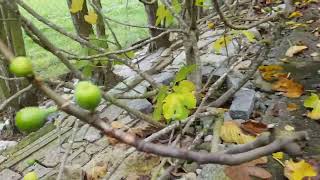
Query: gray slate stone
(92,135)
(81,133)
(7,144)
(2,159)
(111,113)
(164,77)
(10,175)
(142,105)
(38,169)
(243,104)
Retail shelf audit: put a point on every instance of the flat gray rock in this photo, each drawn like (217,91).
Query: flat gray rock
(92,135)
(111,113)
(242,104)
(142,105)
(7,174)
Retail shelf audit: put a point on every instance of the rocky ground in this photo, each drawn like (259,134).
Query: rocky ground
(96,154)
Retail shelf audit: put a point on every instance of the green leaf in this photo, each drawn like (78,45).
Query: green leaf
(184,72)
(177,105)
(311,101)
(163,14)
(199,3)
(87,71)
(163,91)
(222,42)
(176,6)
(184,87)
(249,35)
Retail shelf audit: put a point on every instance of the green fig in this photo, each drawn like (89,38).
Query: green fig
(88,95)
(31,162)
(21,67)
(31,176)
(31,119)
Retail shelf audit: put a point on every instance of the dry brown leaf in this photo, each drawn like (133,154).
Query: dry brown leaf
(117,125)
(292,107)
(295,50)
(97,172)
(112,141)
(290,88)
(271,72)
(248,170)
(232,133)
(254,127)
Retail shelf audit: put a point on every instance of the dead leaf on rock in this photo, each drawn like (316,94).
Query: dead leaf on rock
(272,72)
(112,141)
(290,88)
(254,127)
(117,125)
(292,107)
(298,170)
(97,172)
(232,133)
(248,170)
(295,50)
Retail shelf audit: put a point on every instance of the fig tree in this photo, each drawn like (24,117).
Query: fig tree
(88,95)
(21,67)
(30,119)
(31,176)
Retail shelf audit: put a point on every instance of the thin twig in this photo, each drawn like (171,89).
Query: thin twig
(16,95)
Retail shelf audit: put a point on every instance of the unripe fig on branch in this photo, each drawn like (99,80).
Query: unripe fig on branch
(21,67)
(31,176)
(88,95)
(30,119)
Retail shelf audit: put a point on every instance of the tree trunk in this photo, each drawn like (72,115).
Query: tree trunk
(83,28)
(191,44)
(100,27)
(151,11)
(11,34)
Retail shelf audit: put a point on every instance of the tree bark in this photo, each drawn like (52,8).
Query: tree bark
(83,28)
(100,27)
(151,11)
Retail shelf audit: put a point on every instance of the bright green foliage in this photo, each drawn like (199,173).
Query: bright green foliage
(163,91)
(88,95)
(184,72)
(177,104)
(176,6)
(224,41)
(163,14)
(31,162)
(314,103)
(76,5)
(199,3)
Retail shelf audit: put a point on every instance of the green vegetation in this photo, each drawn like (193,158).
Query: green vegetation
(47,65)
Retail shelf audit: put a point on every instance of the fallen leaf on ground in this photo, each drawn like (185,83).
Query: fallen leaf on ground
(295,14)
(231,133)
(315,54)
(290,88)
(292,107)
(295,50)
(278,155)
(248,170)
(97,172)
(117,125)
(211,25)
(294,25)
(314,103)
(298,170)
(289,128)
(254,127)
(271,72)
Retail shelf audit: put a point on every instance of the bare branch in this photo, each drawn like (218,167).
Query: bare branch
(16,95)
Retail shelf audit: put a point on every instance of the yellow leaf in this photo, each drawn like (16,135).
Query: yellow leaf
(91,18)
(295,14)
(289,128)
(211,25)
(295,50)
(314,103)
(223,41)
(278,155)
(298,170)
(76,6)
(117,125)
(271,72)
(294,25)
(249,35)
(231,133)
